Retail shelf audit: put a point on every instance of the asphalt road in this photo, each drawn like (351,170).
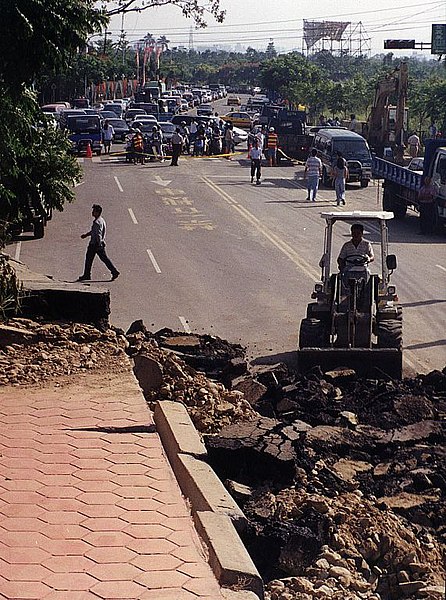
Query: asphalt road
(201,249)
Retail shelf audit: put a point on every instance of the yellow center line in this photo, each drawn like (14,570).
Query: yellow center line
(285,248)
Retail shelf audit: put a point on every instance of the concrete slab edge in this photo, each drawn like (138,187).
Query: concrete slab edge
(228,557)
(216,514)
(177,431)
(206,492)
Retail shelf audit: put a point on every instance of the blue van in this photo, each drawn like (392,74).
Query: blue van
(354,148)
(83,129)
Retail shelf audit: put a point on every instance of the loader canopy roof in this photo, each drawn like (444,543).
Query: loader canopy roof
(357,215)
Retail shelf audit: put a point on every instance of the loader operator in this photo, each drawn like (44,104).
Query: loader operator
(356,246)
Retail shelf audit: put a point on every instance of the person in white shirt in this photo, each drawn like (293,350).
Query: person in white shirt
(312,173)
(414,145)
(356,246)
(256,160)
(353,123)
(107,136)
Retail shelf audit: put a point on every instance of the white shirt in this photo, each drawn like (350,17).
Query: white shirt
(414,140)
(349,249)
(313,165)
(108,132)
(255,153)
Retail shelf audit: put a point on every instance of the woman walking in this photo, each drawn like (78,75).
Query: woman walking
(340,176)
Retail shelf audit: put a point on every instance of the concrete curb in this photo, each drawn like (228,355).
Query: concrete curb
(216,515)
(228,557)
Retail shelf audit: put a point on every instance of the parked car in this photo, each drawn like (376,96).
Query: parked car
(121,129)
(143,126)
(240,135)
(146,120)
(115,107)
(133,113)
(107,114)
(205,110)
(233,101)
(168,130)
(239,119)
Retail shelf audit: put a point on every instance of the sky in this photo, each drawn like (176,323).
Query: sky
(255,22)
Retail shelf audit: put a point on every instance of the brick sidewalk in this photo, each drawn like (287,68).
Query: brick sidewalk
(89,507)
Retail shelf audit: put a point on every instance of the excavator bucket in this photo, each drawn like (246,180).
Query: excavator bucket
(366,362)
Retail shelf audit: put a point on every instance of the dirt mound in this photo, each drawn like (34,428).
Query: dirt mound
(37,352)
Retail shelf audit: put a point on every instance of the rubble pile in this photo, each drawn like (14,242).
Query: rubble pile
(342,479)
(209,403)
(34,352)
(343,482)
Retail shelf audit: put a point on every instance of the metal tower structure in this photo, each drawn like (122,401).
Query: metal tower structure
(191,38)
(337,37)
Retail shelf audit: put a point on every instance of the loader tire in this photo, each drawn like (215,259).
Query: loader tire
(390,334)
(312,334)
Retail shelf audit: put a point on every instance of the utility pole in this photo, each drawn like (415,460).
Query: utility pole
(105,41)
(123,38)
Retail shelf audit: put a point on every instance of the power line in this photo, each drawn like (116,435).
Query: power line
(323,18)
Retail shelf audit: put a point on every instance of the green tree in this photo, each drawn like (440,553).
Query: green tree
(42,34)
(192,9)
(37,36)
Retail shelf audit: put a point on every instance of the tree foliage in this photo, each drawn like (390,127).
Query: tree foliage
(38,34)
(191,9)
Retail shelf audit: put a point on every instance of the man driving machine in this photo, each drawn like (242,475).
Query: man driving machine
(355,247)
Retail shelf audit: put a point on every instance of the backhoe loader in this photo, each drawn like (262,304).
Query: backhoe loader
(355,320)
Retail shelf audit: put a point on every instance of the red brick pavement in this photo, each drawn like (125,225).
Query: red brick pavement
(89,507)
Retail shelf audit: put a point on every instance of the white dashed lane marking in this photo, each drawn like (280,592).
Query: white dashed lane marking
(185,325)
(132,216)
(118,184)
(153,261)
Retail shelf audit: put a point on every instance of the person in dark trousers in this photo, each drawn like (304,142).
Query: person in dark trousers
(97,245)
(256,157)
(177,146)
(426,198)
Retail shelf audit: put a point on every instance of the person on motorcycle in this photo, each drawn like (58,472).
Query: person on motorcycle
(356,247)
(156,143)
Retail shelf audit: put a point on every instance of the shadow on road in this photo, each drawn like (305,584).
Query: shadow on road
(426,345)
(288,358)
(421,303)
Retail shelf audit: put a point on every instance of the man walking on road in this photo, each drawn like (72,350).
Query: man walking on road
(313,171)
(97,245)
(177,146)
(272,143)
(256,157)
